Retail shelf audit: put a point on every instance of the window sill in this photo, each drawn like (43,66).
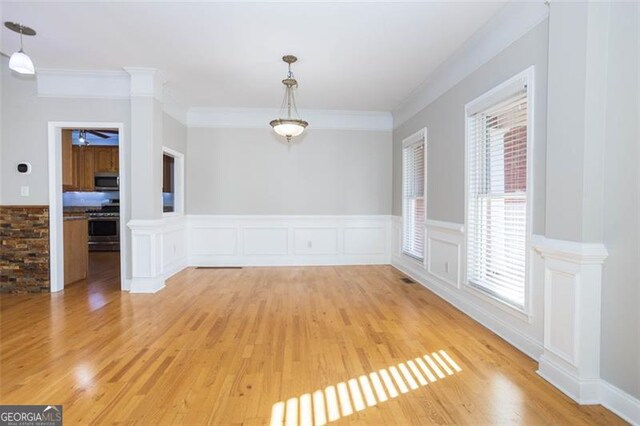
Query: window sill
(522,315)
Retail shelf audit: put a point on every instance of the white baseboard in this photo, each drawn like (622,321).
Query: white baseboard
(460,300)
(590,392)
(585,392)
(147,285)
(620,402)
(174,267)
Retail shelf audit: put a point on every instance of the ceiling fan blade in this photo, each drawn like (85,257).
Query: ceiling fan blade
(99,134)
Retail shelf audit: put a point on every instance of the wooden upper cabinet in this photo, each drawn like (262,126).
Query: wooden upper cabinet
(83,165)
(106,159)
(83,162)
(67,160)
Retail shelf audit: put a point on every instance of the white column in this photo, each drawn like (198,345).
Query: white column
(572,289)
(572,247)
(146,180)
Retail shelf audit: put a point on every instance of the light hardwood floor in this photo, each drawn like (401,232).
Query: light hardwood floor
(256,345)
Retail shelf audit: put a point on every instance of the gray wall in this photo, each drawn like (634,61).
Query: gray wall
(252,171)
(445,122)
(24,132)
(620,355)
(174,134)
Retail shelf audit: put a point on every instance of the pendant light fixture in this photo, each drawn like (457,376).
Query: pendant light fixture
(20,62)
(290,124)
(82,138)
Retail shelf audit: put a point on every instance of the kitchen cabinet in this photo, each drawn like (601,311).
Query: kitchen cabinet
(83,166)
(105,159)
(83,162)
(67,160)
(76,250)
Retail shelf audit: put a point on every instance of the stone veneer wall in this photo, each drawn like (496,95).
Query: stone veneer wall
(24,249)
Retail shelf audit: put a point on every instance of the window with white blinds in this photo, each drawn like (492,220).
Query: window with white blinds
(413,196)
(497,211)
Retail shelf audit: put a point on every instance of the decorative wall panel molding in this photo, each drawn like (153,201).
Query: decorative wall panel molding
(174,245)
(158,251)
(572,293)
(288,240)
(444,251)
(146,256)
(442,273)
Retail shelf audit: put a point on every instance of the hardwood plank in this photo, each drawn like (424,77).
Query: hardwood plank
(226,345)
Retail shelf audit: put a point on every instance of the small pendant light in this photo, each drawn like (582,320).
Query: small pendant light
(20,62)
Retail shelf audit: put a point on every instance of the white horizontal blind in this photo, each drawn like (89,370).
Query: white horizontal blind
(413,182)
(497,210)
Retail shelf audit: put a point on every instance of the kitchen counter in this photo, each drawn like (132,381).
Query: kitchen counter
(74,216)
(74,213)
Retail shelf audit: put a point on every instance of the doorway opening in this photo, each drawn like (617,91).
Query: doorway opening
(87,195)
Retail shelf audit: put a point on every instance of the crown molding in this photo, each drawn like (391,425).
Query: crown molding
(149,82)
(512,22)
(64,83)
(146,82)
(257,118)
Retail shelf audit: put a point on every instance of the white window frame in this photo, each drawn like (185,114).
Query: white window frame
(418,137)
(488,99)
(178,176)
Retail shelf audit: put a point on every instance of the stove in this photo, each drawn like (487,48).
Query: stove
(104,227)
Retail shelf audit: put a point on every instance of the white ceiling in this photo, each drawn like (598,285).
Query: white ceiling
(352,55)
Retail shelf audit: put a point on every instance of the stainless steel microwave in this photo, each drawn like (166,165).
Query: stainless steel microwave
(106,182)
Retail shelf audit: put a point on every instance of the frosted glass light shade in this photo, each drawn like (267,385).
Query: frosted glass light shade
(21,63)
(288,127)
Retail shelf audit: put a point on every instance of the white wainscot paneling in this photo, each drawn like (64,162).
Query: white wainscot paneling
(316,241)
(444,245)
(214,241)
(146,256)
(396,236)
(288,240)
(561,293)
(265,241)
(364,240)
(174,245)
(572,291)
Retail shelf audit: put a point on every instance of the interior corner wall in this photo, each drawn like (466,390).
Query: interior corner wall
(254,172)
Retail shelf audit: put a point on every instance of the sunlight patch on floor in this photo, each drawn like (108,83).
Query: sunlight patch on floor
(357,394)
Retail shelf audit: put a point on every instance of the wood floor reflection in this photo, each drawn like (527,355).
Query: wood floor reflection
(229,346)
